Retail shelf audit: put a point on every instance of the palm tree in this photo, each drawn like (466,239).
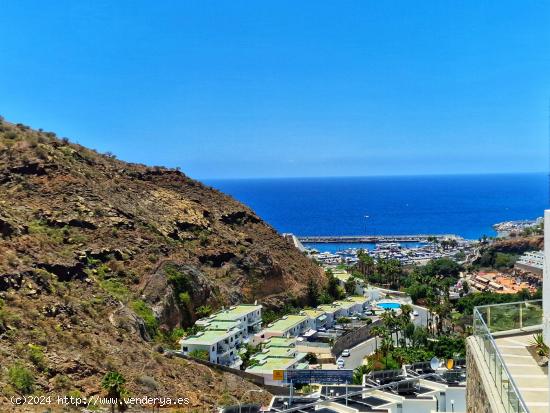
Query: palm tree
(377,331)
(389,321)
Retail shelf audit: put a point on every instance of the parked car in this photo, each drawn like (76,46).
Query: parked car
(415,313)
(346,353)
(340,363)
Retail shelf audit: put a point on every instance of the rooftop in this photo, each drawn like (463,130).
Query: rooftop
(280,342)
(235,312)
(287,322)
(358,299)
(221,325)
(274,363)
(208,337)
(345,304)
(313,312)
(329,308)
(276,352)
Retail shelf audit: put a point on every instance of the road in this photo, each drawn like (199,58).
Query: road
(368,347)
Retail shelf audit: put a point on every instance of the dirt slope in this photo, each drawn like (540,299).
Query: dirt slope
(100,260)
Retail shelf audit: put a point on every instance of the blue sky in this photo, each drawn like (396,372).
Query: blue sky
(286,88)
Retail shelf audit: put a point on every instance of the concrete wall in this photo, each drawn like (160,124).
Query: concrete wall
(456,394)
(257,380)
(419,405)
(353,338)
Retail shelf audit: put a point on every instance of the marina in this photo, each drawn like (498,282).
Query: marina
(423,238)
(405,253)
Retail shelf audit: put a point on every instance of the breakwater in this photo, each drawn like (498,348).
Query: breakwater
(376,238)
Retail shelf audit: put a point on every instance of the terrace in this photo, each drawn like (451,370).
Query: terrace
(503,335)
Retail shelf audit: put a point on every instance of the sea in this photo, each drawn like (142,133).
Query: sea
(464,205)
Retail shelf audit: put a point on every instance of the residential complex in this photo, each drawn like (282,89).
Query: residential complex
(278,353)
(248,317)
(223,334)
(532,261)
(225,331)
(505,373)
(220,344)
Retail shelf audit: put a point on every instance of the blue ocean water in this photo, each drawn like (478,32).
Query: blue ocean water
(466,205)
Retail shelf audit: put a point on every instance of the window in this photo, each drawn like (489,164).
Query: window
(184,349)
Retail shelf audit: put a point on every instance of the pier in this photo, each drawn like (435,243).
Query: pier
(375,238)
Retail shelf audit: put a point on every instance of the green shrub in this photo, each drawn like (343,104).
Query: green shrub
(203,311)
(184,298)
(143,311)
(199,354)
(36,356)
(21,379)
(116,288)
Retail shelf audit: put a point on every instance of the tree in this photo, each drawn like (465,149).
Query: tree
(350,286)
(366,263)
(114,383)
(333,286)
(419,337)
(312,293)
(408,332)
(376,332)
(359,372)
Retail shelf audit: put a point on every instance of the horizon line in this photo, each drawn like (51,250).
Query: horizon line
(371,176)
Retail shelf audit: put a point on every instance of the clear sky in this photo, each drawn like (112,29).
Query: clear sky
(286,88)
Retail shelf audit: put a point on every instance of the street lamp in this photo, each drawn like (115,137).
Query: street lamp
(245,393)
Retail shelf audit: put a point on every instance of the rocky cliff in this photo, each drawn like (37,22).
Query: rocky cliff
(99,258)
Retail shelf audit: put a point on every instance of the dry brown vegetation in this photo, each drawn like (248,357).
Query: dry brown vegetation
(100,260)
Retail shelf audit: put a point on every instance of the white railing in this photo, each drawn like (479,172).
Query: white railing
(498,319)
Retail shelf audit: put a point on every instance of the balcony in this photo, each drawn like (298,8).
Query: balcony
(503,334)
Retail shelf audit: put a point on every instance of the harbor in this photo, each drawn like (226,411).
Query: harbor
(422,238)
(407,253)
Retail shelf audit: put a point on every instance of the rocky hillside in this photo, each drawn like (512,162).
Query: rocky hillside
(101,261)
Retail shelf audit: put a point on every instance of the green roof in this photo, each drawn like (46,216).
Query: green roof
(235,312)
(278,352)
(286,323)
(221,325)
(272,363)
(359,299)
(280,342)
(329,308)
(208,337)
(313,313)
(344,304)
(277,363)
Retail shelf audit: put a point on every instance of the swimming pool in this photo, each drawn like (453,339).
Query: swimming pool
(389,306)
